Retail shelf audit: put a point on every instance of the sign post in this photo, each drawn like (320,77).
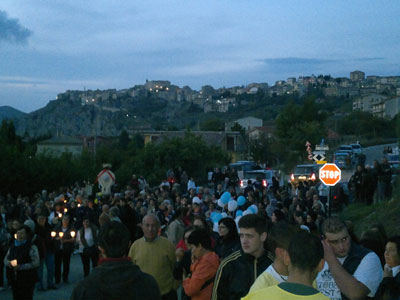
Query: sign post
(330,175)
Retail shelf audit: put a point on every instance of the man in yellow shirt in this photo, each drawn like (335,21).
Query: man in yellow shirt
(304,260)
(155,255)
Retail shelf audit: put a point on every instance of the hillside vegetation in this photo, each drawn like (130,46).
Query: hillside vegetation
(386,213)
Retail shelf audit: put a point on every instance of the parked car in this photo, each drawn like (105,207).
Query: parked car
(307,172)
(243,165)
(342,159)
(265,176)
(357,149)
(346,148)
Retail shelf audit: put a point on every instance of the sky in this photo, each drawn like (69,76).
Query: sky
(50,46)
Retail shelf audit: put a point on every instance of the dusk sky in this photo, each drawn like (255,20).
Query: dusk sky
(50,46)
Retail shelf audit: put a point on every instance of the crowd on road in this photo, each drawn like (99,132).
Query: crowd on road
(372,185)
(183,240)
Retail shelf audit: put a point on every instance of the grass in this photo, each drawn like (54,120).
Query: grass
(363,216)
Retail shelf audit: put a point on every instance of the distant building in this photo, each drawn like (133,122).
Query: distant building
(232,141)
(259,132)
(157,85)
(357,76)
(366,103)
(392,107)
(291,80)
(58,145)
(247,123)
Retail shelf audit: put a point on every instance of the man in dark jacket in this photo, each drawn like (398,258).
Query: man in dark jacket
(116,277)
(238,271)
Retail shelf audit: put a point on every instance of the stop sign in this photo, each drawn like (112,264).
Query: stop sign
(330,174)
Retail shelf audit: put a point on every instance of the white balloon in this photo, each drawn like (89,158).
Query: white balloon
(215,227)
(220,203)
(247,212)
(237,221)
(232,205)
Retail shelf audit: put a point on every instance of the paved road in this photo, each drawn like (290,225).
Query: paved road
(372,153)
(376,153)
(64,290)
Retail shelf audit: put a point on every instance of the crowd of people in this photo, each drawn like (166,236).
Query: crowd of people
(179,240)
(372,185)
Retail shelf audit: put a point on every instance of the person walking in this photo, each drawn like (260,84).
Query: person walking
(22,260)
(87,240)
(199,284)
(65,237)
(155,255)
(120,279)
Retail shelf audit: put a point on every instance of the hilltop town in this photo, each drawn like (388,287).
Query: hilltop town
(369,93)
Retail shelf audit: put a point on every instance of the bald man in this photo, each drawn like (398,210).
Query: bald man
(155,255)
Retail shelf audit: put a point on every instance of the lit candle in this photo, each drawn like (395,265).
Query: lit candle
(61,234)
(72,234)
(15,236)
(60,215)
(53,234)
(65,210)
(79,205)
(65,201)
(14,263)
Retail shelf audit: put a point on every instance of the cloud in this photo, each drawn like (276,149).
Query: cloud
(12,31)
(314,61)
(366,59)
(297,61)
(54,85)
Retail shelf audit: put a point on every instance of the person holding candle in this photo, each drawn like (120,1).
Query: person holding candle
(87,240)
(65,244)
(22,261)
(44,231)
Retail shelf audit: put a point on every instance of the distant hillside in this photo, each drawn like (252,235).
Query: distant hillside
(7,112)
(72,115)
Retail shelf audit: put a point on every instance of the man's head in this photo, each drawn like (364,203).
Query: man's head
(278,240)
(150,226)
(114,239)
(305,253)
(41,220)
(336,234)
(65,220)
(253,232)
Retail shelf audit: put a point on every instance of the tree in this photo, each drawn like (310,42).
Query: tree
(238,127)
(124,139)
(297,124)
(212,125)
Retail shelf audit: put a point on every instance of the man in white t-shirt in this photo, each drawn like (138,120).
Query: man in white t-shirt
(350,271)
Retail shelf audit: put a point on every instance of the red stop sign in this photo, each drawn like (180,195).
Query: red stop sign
(330,174)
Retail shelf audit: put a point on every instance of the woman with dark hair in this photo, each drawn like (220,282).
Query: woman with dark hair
(87,241)
(373,240)
(176,227)
(183,259)
(390,285)
(311,219)
(229,240)
(22,260)
(199,284)
(278,216)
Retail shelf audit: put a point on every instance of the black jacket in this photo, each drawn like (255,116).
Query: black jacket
(389,288)
(117,279)
(237,273)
